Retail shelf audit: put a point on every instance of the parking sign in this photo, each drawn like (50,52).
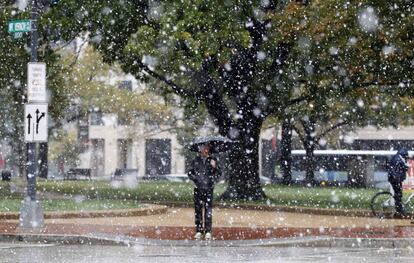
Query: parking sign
(36,82)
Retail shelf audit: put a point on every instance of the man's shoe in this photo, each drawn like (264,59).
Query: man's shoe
(198,236)
(401,215)
(208,236)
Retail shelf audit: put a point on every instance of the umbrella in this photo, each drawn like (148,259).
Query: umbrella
(217,143)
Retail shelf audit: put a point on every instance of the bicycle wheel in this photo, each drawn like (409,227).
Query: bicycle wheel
(383,205)
(409,204)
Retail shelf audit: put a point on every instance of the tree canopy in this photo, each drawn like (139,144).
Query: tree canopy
(245,60)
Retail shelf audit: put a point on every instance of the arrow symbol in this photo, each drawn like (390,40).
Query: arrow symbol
(29,117)
(38,118)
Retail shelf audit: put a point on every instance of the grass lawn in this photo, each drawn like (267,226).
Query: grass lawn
(13,205)
(346,198)
(320,197)
(93,195)
(145,191)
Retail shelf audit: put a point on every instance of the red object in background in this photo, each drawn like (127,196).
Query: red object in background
(2,162)
(409,182)
(61,166)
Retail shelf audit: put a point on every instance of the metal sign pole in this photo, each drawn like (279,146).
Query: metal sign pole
(31,146)
(31,212)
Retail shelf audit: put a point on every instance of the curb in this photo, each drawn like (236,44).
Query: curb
(305,210)
(58,239)
(291,209)
(151,209)
(332,242)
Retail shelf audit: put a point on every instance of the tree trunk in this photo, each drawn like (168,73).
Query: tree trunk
(43,160)
(286,152)
(357,169)
(310,163)
(244,181)
(309,145)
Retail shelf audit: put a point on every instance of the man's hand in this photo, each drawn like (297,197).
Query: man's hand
(213,163)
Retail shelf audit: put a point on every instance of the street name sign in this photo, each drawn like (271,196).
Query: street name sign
(35,122)
(36,82)
(16,26)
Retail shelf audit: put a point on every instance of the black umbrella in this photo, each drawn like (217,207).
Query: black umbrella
(217,143)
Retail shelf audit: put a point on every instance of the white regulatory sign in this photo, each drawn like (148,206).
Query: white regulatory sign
(36,82)
(35,122)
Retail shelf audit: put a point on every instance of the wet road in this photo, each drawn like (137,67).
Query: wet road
(96,253)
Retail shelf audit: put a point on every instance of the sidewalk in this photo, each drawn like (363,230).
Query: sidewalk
(228,224)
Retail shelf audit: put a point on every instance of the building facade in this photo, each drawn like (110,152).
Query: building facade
(116,146)
(112,145)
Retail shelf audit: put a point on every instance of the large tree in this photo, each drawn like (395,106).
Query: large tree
(231,56)
(213,53)
(354,63)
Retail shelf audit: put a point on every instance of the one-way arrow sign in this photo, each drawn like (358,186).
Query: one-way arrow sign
(35,126)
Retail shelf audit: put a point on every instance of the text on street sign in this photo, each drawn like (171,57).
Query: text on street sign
(20,26)
(36,81)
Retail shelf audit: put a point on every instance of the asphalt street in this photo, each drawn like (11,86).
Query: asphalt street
(16,252)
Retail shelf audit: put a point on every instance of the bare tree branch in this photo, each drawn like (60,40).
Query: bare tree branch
(336,126)
(299,133)
(177,89)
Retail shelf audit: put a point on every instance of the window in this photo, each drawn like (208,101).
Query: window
(126,84)
(96,118)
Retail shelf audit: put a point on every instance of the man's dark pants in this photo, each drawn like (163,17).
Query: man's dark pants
(398,193)
(203,206)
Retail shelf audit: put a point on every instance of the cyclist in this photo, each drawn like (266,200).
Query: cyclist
(397,169)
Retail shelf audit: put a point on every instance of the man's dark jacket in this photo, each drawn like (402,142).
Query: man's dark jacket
(397,167)
(203,174)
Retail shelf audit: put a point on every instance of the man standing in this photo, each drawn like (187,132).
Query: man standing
(397,172)
(204,172)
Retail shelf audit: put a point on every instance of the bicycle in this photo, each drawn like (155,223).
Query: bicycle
(383,204)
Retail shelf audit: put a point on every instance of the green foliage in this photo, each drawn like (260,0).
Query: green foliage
(12,81)
(203,28)
(13,75)
(8,190)
(87,85)
(65,147)
(331,49)
(247,60)
(349,44)
(107,22)
(352,61)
